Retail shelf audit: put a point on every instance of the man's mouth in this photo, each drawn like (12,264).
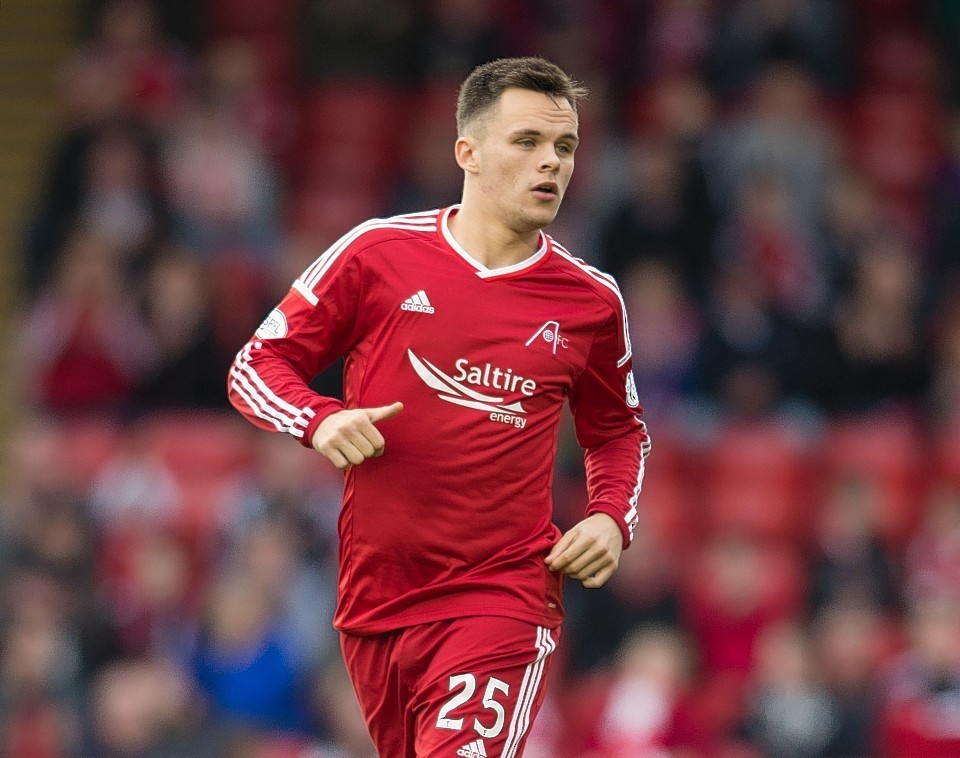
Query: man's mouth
(546,190)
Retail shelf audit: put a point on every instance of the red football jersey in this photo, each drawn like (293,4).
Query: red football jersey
(455,519)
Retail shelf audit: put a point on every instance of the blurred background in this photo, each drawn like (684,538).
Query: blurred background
(776,185)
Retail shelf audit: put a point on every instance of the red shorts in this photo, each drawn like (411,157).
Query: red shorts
(468,687)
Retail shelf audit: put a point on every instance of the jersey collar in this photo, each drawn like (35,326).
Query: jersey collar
(491,273)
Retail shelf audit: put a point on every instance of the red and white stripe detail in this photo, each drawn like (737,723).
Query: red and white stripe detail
(611,284)
(263,401)
(416,222)
(529,689)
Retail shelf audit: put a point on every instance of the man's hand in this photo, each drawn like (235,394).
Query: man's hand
(590,551)
(349,437)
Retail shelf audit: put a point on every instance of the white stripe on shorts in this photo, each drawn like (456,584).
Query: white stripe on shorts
(532,679)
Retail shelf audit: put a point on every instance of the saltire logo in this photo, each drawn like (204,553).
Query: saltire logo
(456,392)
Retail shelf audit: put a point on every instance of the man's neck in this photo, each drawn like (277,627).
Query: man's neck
(491,243)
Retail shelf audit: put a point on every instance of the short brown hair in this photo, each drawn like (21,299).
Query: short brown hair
(483,87)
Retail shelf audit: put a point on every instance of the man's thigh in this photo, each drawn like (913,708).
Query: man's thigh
(467,688)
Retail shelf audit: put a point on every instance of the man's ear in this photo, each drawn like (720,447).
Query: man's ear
(466,151)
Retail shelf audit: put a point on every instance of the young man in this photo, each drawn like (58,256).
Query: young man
(463,331)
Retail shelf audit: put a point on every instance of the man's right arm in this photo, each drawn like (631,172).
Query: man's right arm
(269,380)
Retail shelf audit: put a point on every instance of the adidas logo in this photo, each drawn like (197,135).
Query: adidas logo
(418,303)
(475,749)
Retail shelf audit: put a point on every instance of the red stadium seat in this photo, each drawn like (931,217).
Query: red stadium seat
(899,59)
(360,110)
(327,214)
(201,447)
(252,16)
(351,137)
(945,464)
(888,452)
(894,138)
(754,484)
(668,502)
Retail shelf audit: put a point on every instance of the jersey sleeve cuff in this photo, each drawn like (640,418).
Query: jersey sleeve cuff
(321,411)
(626,530)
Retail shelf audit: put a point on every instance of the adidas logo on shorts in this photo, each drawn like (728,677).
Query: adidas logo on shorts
(475,749)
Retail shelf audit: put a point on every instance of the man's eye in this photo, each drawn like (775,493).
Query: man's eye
(526,142)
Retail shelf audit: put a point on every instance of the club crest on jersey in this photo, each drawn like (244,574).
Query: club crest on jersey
(457,390)
(274,326)
(549,333)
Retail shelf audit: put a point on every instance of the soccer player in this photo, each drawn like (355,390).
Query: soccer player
(463,330)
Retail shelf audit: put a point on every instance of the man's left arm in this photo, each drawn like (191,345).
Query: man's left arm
(609,427)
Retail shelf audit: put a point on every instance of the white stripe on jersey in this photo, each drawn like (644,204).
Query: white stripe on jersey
(610,283)
(532,677)
(423,217)
(262,400)
(417,222)
(255,407)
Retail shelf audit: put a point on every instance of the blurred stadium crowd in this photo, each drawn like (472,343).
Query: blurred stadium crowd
(775,183)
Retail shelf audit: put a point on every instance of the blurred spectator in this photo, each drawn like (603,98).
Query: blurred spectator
(779,132)
(361,39)
(135,489)
(933,555)
(679,34)
(752,33)
(144,708)
(852,565)
(221,186)
(643,594)
(658,219)
(121,202)
(789,714)
(287,488)
(429,176)
(944,390)
(945,209)
(103,179)
(852,218)
(732,594)
(336,704)
(648,684)
(39,677)
(750,359)
(127,68)
(459,35)
(920,688)
(300,593)
(241,664)
(191,364)
(235,82)
(765,234)
(154,600)
(665,329)
(875,353)
(83,343)
(849,644)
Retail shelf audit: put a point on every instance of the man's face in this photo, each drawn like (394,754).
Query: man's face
(524,154)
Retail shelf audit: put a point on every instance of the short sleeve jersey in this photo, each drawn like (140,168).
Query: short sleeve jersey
(455,519)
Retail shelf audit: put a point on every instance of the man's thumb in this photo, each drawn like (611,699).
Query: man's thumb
(376,415)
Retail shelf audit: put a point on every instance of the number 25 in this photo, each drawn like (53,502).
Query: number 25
(467,683)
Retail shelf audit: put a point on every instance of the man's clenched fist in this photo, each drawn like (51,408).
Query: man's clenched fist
(350,436)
